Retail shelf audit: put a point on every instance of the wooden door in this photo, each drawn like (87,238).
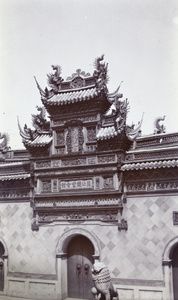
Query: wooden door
(80,260)
(1,267)
(175,272)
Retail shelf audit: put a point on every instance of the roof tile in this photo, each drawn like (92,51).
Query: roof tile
(73,96)
(106,132)
(150,165)
(40,140)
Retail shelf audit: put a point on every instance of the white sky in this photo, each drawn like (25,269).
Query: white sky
(138,37)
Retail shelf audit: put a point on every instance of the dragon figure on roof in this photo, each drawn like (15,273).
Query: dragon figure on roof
(55,80)
(100,72)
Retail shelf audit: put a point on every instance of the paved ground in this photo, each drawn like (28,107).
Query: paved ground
(2,297)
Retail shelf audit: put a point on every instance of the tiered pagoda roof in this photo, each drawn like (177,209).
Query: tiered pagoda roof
(79,88)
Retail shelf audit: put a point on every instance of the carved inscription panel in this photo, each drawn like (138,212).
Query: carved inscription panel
(76,184)
(95,183)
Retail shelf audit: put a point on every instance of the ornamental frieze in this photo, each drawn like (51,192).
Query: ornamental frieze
(157,141)
(162,174)
(83,119)
(152,186)
(135,187)
(14,194)
(102,216)
(167,185)
(13,185)
(79,203)
(73,162)
(77,171)
(158,154)
(104,159)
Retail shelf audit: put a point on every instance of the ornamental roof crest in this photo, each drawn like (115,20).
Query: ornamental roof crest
(77,79)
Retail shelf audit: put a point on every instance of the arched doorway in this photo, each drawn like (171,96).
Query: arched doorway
(80,253)
(2,251)
(174,257)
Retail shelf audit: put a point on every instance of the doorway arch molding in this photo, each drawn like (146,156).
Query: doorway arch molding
(67,236)
(168,249)
(167,267)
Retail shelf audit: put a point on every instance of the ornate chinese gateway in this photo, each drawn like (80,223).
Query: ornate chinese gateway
(76,157)
(88,190)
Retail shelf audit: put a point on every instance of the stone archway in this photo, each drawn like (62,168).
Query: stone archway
(3,265)
(170,260)
(61,256)
(66,237)
(174,257)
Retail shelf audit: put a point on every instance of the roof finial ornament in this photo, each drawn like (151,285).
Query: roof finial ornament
(112,97)
(159,128)
(39,121)
(26,133)
(4,138)
(55,80)
(100,72)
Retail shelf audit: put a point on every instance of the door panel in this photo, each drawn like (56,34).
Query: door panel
(80,260)
(1,267)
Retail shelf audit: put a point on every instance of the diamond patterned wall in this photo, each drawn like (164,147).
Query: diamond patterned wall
(134,254)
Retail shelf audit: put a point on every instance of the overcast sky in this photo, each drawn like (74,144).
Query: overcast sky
(138,37)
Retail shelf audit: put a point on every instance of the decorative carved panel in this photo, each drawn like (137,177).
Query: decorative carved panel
(74,139)
(60,141)
(151,186)
(77,82)
(106,159)
(175,217)
(43,164)
(91,133)
(108,183)
(46,186)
